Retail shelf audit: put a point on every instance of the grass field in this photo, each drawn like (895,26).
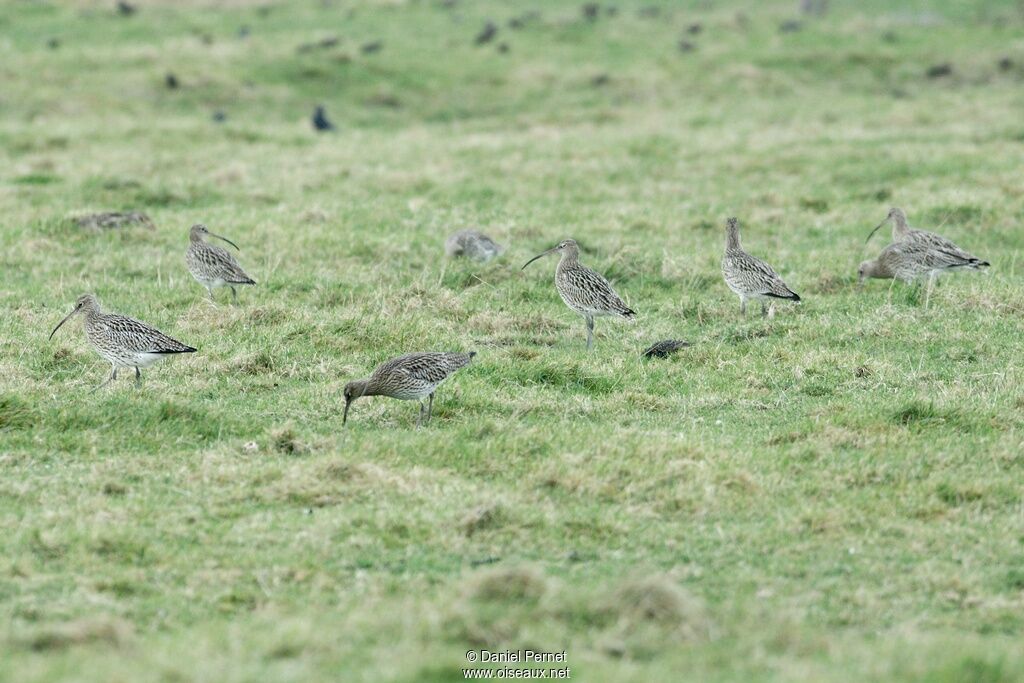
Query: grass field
(835,493)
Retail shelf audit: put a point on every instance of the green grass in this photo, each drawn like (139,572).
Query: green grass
(831,494)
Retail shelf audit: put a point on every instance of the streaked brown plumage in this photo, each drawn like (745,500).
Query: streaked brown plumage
(748,276)
(471,244)
(411,377)
(211,265)
(122,341)
(901,231)
(584,290)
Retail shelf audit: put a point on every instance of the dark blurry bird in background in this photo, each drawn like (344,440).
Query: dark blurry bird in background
(320,121)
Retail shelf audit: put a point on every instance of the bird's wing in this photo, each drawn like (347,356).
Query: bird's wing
(139,337)
(225,265)
(595,291)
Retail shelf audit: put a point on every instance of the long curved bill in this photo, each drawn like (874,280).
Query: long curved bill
(543,253)
(875,230)
(344,416)
(66,318)
(225,239)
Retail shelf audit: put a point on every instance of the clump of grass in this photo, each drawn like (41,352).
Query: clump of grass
(508,584)
(104,629)
(286,441)
(658,600)
(480,518)
(14,413)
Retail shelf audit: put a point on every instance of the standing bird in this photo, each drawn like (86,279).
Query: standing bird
(320,121)
(911,260)
(211,265)
(748,276)
(122,341)
(901,230)
(582,289)
(411,377)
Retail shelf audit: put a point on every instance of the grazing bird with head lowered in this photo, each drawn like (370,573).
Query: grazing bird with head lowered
(122,341)
(901,230)
(584,290)
(748,276)
(912,260)
(211,265)
(411,377)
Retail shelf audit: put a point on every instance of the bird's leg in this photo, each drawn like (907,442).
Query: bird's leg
(743,306)
(430,407)
(764,308)
(419,420)
(234,296)
(590,332)
(138,376)
(113,376)
(928,289)
(209,289)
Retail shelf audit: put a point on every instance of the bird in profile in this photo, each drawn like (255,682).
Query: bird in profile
(901,230)
(411,377)
(122,341)
(748,276)
(213,266)
(912,260)
(665,348)
(320,121)
(583,290)
(471,244)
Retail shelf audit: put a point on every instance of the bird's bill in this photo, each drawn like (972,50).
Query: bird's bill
(344,416)
(543,253)
(225,239)
(66,318)
(876,230)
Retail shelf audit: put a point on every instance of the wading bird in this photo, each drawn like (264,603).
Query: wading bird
(584,290)
(411,377)
(122,341)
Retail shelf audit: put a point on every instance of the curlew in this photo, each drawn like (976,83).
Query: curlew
(472,244)
(411,377)
(213,266)
(583,290)
(122,341)
(912,260)
(748,276)
(901,230)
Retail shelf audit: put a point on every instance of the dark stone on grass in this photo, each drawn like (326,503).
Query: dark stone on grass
(171,81)
(113,220)
(600,80)
(244,31)
(694,29)
(790,26)
(503,48)
(487,34)
(686,46)
(219,117)
(53,43)
(1005,64)
(320,121)
(125,9)
(591,10)
(814,7)
(372,47)
(665,348)
(940,70)
(322,44)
